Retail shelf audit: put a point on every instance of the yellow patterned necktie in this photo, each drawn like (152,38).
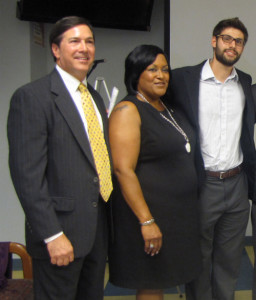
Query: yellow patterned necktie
(97,142)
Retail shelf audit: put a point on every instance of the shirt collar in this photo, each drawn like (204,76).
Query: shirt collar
(207,73)
(70,81)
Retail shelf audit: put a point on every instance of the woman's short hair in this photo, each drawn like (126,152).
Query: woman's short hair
(63,25)
(137,61)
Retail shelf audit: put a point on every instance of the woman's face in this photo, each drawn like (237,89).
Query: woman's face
(153,81)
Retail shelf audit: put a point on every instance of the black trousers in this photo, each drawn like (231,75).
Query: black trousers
(83,279)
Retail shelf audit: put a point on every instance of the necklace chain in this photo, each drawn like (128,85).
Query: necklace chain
(172,121)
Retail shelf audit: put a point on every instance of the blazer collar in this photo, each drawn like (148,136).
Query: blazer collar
(192,77)
(192,82)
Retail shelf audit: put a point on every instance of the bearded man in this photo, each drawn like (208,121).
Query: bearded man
(217,99)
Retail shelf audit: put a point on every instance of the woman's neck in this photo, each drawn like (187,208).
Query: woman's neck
(156,103)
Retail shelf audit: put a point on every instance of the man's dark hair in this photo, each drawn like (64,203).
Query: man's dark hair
(63,25)
(137,61)
(235,23)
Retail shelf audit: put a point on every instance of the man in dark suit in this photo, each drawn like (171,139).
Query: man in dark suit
(218,101)
(55,173)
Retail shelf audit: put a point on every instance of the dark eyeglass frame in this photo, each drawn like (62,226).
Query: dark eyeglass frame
(228,39)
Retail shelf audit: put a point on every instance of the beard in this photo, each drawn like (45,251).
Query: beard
(220,56)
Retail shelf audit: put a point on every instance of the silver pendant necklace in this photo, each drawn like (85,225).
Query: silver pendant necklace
(173,122)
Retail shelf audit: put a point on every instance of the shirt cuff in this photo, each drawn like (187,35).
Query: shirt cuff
(51,238)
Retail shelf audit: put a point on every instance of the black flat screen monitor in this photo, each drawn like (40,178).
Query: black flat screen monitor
(119,14)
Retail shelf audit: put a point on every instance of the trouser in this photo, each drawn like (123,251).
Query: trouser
(224,212)
(253,218)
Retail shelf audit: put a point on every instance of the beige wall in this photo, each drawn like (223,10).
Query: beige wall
(192,23)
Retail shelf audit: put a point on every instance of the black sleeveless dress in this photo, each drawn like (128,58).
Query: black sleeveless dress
(168,180)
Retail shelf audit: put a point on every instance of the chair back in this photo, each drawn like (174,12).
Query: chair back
(21,251)
(21,289)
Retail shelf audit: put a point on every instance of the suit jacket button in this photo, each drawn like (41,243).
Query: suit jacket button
(95,179)
(94,204)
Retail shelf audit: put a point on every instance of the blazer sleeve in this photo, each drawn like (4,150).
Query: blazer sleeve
(254,95)
(27,136)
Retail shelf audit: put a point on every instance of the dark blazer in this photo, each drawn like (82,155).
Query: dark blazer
(185,86)
(51,164)
(254,94)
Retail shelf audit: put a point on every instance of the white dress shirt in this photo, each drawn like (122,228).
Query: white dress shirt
(221,107)
(72,85)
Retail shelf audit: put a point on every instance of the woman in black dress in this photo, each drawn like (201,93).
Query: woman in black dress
(156,235)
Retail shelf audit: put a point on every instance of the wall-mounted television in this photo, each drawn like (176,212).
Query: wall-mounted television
(118,14)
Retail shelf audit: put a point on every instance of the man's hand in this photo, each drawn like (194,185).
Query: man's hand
(61,251)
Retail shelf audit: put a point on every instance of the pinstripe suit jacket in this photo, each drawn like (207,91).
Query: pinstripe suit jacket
(51,164)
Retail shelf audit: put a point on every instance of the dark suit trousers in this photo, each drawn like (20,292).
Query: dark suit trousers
(224,211)
(253,217)
(82,279)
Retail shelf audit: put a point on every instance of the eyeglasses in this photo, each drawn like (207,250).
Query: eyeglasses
(227,39)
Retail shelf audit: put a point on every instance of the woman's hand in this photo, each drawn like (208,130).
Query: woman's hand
(153,238)
(125,137)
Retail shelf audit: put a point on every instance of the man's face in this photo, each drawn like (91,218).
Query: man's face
(228,53)
(76,52)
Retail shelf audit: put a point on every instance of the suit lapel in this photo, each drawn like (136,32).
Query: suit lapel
(68,110)
(192,82)
(248,116)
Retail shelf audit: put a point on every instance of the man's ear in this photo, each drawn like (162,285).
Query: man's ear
(214,41)
(56,51)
